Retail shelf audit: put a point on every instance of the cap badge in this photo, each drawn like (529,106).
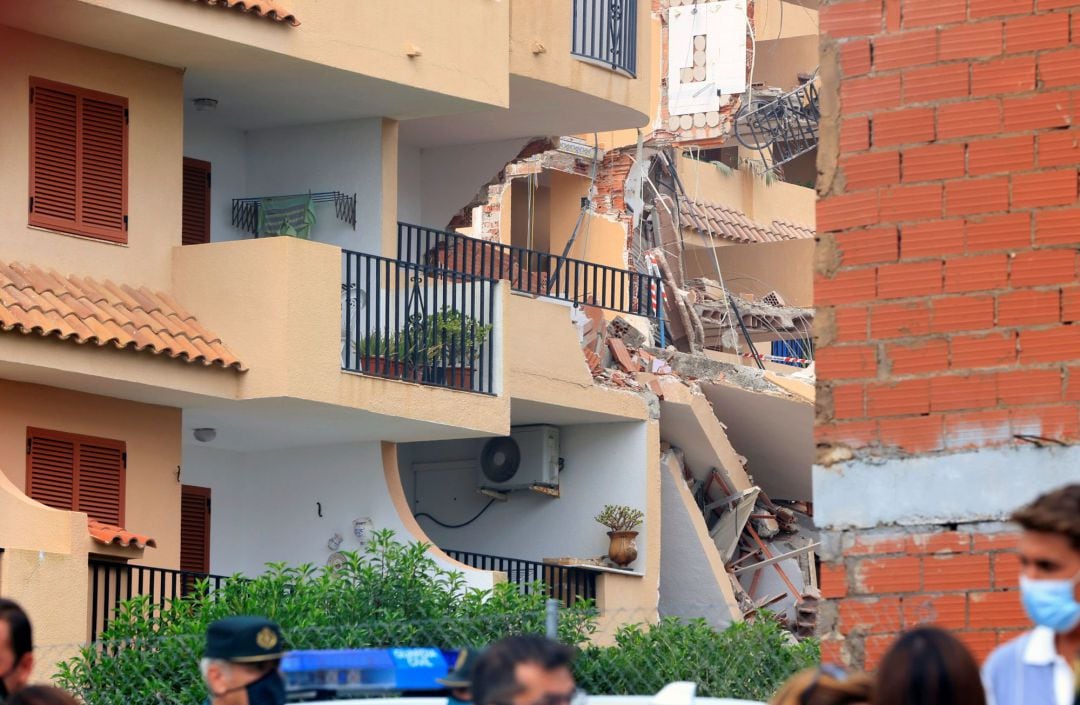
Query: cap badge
(266,638)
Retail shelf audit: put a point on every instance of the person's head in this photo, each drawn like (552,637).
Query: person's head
(459,679)
(41,695)
(928,666)
(524,670)
(240,664)
(1050,558)
(824,686)
(16,648)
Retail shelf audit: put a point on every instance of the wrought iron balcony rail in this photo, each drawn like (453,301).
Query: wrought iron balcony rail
(564,583)
(780,127)
(416,323)
(112,582)
(605,31)
(531,271)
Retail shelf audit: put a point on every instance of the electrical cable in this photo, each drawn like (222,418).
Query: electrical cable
(461,525)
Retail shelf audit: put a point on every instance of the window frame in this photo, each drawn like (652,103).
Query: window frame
(78,439)
(205,167)
(76,227)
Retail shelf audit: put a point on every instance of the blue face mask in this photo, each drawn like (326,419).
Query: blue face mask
(1051,603)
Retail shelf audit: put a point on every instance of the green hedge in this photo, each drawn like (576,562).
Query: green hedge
(396,595)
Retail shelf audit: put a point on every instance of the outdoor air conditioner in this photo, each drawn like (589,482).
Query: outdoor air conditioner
(527,458)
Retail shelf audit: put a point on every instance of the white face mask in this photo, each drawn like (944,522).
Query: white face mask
(1051,603)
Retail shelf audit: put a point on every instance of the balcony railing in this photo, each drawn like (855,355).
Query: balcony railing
(531,271)
(780,127)
(605,31)
(418,323)
(564,583)
(112,582)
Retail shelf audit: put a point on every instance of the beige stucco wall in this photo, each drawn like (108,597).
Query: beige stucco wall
(785,266)
(743,191)
(622,138)
(780,61)
(152,434)
(549,24)
(155,139)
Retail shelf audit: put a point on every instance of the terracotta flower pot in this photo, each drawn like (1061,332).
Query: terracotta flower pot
(623,548)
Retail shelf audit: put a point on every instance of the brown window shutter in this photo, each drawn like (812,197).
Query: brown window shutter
(101,481)
(50,470)
(77,473)
(195,529)
(195,229)
(78,161)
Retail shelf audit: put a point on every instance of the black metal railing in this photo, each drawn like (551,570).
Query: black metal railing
(567,584)
(780,127)
(112,582)
(532,271)
(418,323)
(606,31)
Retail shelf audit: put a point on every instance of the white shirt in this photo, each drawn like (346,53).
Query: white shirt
(1041,651)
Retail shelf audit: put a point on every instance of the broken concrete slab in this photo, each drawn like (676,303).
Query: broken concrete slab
(775,433)
(692,573)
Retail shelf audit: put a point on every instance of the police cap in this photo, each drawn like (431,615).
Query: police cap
(244,640)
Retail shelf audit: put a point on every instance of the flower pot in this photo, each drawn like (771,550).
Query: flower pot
(454,377)
(387,367)
(623,548)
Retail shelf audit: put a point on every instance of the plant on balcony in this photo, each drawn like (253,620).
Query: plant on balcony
(621,522)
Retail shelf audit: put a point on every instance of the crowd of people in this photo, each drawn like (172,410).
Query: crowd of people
(925,666)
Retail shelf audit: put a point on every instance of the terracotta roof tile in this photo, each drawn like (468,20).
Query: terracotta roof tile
(729,224)
(270,9)
(109,534)
(50,304)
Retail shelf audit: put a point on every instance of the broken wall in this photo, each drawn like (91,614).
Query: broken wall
(948,298)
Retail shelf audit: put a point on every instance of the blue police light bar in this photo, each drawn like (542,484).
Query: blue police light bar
(360,670)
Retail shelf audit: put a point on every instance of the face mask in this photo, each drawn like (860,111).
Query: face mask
(1051,603)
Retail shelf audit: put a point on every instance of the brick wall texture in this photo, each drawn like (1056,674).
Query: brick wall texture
(948,303)
(947,271)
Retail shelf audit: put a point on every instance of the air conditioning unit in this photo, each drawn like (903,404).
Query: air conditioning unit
(527,458)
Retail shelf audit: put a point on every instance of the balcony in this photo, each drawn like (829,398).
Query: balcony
(605,31)
(532,271)
(780,127)
(418,323)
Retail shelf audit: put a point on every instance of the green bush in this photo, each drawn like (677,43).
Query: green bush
(747,660)
(396,595)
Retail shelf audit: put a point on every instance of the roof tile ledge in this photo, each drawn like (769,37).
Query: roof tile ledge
(270,9)
(112,535)
(33,301)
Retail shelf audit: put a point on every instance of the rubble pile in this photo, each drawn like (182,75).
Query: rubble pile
(745,525)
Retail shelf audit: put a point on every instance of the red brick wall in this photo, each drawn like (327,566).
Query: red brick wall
(947,283)
(948,304)
(887,581)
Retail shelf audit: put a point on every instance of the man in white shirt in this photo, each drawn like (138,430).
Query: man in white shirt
(1039,667)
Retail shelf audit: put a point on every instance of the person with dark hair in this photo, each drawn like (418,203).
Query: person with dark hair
(825,685)
(41,695)
(16,648)
(525,670)
(459,680)
(928,666)
(1039,667)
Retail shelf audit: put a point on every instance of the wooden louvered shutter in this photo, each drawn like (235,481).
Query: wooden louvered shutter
(196,214)
(50,469)
(100,480)
(77,473)
(78,161)
(195,529)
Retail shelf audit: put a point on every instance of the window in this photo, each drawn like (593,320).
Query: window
(78,161)
(195,529)
(195,229)
(77,473)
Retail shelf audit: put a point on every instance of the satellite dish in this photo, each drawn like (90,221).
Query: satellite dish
(500,459)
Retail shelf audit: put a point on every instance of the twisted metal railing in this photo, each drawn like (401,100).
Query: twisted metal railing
(780,127)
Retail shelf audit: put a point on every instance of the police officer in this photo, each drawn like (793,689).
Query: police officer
(459,680)
(240,665)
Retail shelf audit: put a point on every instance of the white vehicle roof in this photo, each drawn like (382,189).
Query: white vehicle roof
(681,693)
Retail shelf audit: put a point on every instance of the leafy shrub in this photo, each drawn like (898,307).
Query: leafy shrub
(746,660)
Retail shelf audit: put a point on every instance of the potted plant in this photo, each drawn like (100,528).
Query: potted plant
(621,522)
(390,355)
(453,343)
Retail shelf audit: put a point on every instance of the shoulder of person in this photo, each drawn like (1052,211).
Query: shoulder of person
(1005,656)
